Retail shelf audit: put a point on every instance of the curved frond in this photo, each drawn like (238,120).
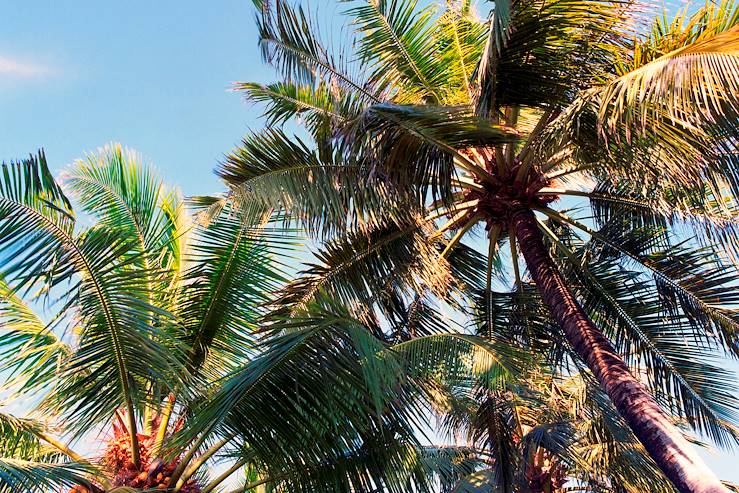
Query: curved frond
(358,269)
(330,376)
(288,41)
(397,46)
(323,194)
(24,475)
(31,353)
(118,337)
(684,71)
(641,321)
(230,275)
(539,52)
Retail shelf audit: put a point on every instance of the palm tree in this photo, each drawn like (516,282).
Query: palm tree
(125,323)
(441,126)
(547,435)
(323,401)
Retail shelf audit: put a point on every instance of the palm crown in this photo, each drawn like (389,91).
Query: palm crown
(143,308)
(442,127)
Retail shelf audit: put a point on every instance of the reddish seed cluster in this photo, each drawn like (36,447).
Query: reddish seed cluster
(153,473)
(499,198)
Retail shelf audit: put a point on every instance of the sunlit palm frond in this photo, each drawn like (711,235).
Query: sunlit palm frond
(117,337)
(319,108)
(694,80)
(539,52)
(114,186)
(645,321)
(27,464)
(359,269)
(121,341)
(457,359)
(461,37)
(30,351)
(288,40)
(24,475)
(230,274)
(396,44)
(321,193)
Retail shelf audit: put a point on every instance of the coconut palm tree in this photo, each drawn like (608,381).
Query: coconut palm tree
(550,121)
(117,327)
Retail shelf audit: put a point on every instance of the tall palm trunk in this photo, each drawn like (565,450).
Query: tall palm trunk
(672,453)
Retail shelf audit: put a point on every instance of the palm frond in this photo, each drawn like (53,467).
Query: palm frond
(331,377)
(229,278)
(30,351)
(121,192)
(460,36)
(287,39)
(397,46)
(323,194)
(455,359)
(419,146)
(538,51)
(96,272)
(318,107)
(358,269)
(24,475)
(684,71)
(717,321)
(634,315)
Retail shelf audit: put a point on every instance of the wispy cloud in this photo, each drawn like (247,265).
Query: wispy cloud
(22,69)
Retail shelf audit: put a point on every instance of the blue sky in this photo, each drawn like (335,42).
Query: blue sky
(153,75)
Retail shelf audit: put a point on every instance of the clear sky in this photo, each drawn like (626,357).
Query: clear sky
(151,74)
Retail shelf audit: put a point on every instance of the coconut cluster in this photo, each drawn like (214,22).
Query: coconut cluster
(153,472)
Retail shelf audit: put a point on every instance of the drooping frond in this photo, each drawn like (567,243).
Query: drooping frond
(26,464)
(31,353)
(117,335)
(397,46)
(230,275)
(460,359)
(25,475)
(330,376)
(33,212)
(713,214)
(288,40)
(19,438)
(540,53)
(323,194)
(685,71)
(359,269)
(645,318)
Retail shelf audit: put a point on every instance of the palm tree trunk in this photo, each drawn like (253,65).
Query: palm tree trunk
(664,442)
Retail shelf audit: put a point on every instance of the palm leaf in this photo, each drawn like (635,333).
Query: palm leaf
(397,47)
(117,336)
(328,374)
(31,352)
(694,83)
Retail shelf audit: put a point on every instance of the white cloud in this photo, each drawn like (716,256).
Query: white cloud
(18,68)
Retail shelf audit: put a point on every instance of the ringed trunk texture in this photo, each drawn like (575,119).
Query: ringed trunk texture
(662,440)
